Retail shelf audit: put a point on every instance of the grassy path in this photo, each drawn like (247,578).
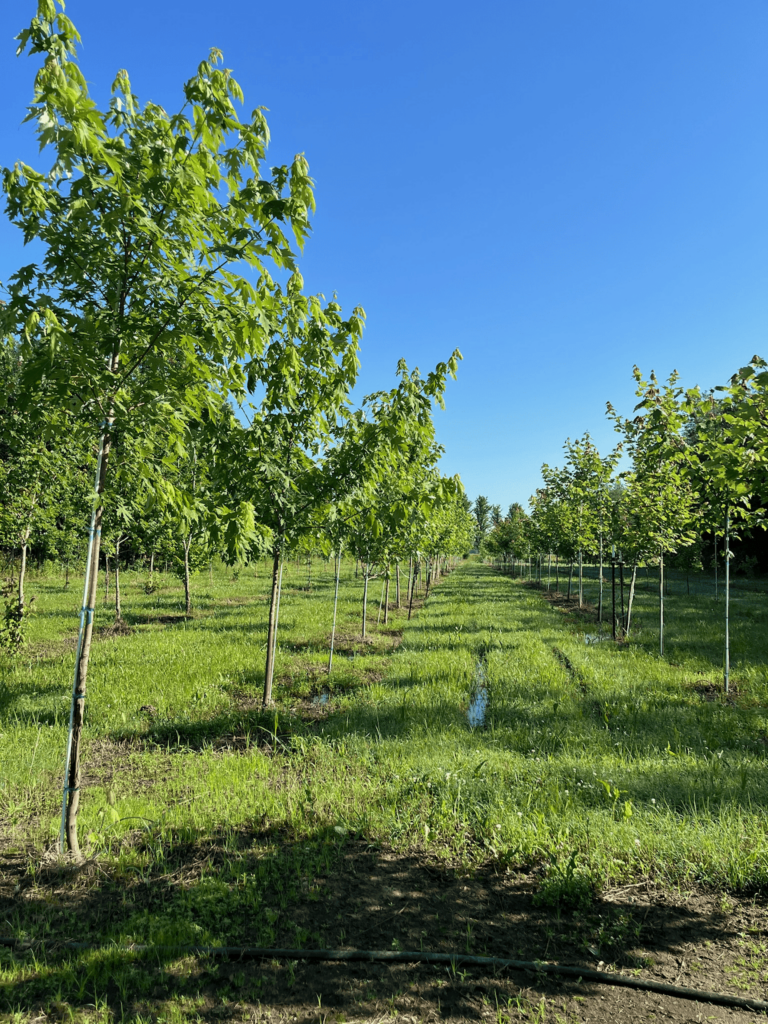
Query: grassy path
(596,766)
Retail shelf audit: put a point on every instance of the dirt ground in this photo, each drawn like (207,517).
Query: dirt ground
(379,899)
(383,900)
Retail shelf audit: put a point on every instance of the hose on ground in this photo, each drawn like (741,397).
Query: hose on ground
(393,956)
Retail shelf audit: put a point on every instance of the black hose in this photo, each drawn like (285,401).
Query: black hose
(390,956)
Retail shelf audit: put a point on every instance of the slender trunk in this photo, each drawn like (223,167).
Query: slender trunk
(152,564)
(429,578)
(381,605)
(570,580)
(71,795)
(581,580)
(335,606)
(557,574)
(661,603)
(66,576)
(365,595)
(410,606)
(397,585)
(549,570)
(621,589)
(409,591)
(386,600)
(118,603)
(355,568)
(210,571)
(23,572)
(106,578)
(272,627)
(309,573)
(727,666)
(600,594)
(613,595)
(187,593)
(631,598)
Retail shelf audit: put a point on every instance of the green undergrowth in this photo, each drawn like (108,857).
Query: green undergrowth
(210,819)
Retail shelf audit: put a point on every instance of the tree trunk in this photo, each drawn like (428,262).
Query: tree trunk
(272,628)
(106,577)
(621,591)
(600,595)
(386,600)
(557,574)
(661,603)
(397,584)
(381,605)
(152,564)
(118,603)
(727,666)
(365,595)
(581,580)
(410,606)
(613,594)
(429,578)
(187,593)
(23,572)
(335,606)
(71,799)
(66,575)
(549,570)
(631,598)
(570,580)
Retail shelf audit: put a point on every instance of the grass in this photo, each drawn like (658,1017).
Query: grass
(598,764)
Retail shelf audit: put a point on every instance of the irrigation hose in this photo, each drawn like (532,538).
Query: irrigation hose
(391,956)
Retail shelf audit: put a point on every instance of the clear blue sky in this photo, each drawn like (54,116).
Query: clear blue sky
(559,189)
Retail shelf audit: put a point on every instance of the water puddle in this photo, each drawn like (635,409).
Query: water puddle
(478,701)
(321,698)
(595,638)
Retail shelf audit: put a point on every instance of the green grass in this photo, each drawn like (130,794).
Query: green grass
(211,818)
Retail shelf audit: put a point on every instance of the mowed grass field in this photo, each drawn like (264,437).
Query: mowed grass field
(208,819)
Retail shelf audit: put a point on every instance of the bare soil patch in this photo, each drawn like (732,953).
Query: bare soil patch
(376,898)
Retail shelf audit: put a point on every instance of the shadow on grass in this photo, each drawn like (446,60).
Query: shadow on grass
(261,887)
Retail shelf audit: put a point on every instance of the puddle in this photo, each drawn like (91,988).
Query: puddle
(478,701)
(322,698)
(596,638)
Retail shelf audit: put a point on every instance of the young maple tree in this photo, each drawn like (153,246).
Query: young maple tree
(139,309)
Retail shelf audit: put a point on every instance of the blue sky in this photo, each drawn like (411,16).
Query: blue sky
(559,189)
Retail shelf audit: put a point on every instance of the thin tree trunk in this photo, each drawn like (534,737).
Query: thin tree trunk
(600,596)
(557,574)
(613,594)
(23,572)
(727,666)
(66,575)
(570,580)
(661,603)
(71,797)
(386,599)
(118,603)
(549,570)
(397,584)
(187,593)
(365,595)
(429,578)
(581,579)
(410,606)
(631,598)
(335,606)
(621,590)
(272,627)
(381,604)
(152,563)
(106,577)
